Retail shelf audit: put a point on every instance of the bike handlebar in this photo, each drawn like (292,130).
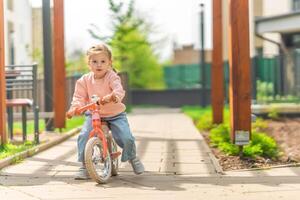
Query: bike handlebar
(96,101)
(91,106)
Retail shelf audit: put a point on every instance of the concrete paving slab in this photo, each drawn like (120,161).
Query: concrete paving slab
(168,144)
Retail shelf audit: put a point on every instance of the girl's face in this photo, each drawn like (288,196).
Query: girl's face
(99,64)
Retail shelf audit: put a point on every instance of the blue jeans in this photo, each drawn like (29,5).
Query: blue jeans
(121,133)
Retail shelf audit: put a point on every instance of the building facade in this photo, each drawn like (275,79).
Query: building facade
(187,54)
(18,32)
(279,25)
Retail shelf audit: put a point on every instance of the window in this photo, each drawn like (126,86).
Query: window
(296,5)
(10,5)
(296,40)
(291,40)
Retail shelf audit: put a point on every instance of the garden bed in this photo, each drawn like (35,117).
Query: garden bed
(286,133)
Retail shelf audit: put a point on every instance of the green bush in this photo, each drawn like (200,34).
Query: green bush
(219,134)
(252,150)
(196,112)
(260,144)
(264,91)
(268,144)
(273,114)
(229,148)
(219,137)
(204,123)
(259,124)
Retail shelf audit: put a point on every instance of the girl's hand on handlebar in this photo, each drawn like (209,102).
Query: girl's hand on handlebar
(109,98)
(71,113)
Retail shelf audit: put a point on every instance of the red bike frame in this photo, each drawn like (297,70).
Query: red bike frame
(96,123)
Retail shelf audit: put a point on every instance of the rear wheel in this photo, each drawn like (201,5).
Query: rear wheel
(99,168)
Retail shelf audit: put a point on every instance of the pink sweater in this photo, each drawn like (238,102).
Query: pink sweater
(87,86)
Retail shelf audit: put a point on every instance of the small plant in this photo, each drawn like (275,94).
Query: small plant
(252,150)
(219,134)
(205,123)
(273,114)
(259,125)
(260,145)
(264,91)
(268,145)
(219,137)
(229,148)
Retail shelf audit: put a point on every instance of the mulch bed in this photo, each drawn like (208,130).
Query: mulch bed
(285,131)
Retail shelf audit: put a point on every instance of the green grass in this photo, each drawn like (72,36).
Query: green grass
(70,124)
(73,123)
(17,126)
(12,149)
(203,116)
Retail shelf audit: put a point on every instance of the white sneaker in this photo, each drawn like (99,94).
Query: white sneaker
(82,174)
(137,165)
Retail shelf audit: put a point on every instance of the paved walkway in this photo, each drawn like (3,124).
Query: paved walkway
(178,166)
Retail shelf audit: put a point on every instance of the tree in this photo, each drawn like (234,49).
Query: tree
(76,64)
(132,51)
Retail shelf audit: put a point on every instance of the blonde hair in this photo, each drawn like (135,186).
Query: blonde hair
(99,48)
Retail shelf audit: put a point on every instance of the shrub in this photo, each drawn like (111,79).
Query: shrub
(268,144)
(252,150)
(204,123)
(264,91)
(219,134)
(273,114)
(259,125)
(229,148)
(260,144)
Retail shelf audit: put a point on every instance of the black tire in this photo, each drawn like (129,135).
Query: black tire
(92,155)
(114,162)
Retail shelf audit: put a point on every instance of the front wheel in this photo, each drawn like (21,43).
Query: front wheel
(99,168)
(115,161)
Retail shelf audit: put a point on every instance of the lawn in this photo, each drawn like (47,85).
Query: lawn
(12,149)
(70,124)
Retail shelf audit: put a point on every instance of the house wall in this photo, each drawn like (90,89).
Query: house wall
(254,11)
(20,18)
(271,8)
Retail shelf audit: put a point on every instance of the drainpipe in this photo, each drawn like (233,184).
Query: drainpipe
(282,50)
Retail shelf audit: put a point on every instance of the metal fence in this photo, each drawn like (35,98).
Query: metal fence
(70,86)
(274,78)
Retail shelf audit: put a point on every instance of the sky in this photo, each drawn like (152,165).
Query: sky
(174,21)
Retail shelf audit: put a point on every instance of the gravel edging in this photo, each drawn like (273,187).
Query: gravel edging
(37,149)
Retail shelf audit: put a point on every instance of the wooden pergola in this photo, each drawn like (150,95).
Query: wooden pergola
(59,103)
(239,92)
(239,64)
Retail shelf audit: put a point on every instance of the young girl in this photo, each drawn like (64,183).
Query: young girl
(105,83)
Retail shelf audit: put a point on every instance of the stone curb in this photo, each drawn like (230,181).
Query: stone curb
(212,158)
(266,168)
(37,149)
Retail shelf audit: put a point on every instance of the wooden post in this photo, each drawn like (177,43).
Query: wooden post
(3,132)
(48,69)
(239,62)
(217,72)
(59,75)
